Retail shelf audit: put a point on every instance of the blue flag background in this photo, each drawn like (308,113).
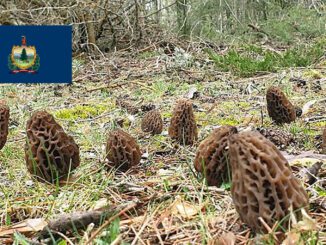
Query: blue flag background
(53,45)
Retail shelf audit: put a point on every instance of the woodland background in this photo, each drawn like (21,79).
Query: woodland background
(114,25)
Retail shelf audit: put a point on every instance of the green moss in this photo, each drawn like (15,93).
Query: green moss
(313,74)
(157,141)
(308,131)
(81,112)
(231,106)
(86,144)
(207,120)
(227,105)
(321,192)
(319,124)
(166,114)
(228,121)
(148,173)
(244,104)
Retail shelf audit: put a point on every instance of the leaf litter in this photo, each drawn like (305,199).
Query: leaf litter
(172,205)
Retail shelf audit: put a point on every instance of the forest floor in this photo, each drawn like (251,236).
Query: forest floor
(169,203)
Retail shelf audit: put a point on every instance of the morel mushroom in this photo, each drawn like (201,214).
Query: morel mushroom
(183,126)
(262,181)
(279,107)
(4,121)
(323,146)
(280,138)
(152,122)
(147,107)
(212,158)
(50,153)
(122,150)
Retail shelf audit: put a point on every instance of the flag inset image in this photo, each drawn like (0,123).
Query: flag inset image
(36,54)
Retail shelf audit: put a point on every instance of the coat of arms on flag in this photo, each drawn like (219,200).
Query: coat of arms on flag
(23,58)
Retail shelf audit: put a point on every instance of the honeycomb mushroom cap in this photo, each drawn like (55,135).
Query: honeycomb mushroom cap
(147,107)
(279,107)
(122,150)
(212,158)
(323,147)
(280,138)
(4,122)
(183,126)
(50,153)
(152,122)
(262,181)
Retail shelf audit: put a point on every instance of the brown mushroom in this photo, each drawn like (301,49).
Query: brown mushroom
(152,122)
(122,150)
(262,182)
(183,126)
(50,153)
(4,122)
(279,107)
(212,158)
(280,138)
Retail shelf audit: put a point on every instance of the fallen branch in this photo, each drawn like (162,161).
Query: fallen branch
(81,220)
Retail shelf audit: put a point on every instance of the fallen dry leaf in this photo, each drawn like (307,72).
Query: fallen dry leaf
(304,155)
(306,224)
(191,93)
(292,238)
(101,203)
(226,239)
(307,106)
(29,225)
(306,161)
(184,209)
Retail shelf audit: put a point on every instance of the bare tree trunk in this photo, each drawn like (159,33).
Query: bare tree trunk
(156,9)
(90,27)
(182,7)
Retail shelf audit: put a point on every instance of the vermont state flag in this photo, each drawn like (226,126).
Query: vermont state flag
(35,54)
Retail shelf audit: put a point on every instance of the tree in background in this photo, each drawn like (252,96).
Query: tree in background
(23,56)
(182,17)
(103,25)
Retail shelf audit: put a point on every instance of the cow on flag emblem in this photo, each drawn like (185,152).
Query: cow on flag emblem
(23,58)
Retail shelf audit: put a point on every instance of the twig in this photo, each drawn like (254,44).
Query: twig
(140,231)
(135,232)
(117,240)
(144,225)
(315,119)
(106,223)
(157,232)
(270,230)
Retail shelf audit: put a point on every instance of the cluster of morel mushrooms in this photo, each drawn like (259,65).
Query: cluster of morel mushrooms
(263,185)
